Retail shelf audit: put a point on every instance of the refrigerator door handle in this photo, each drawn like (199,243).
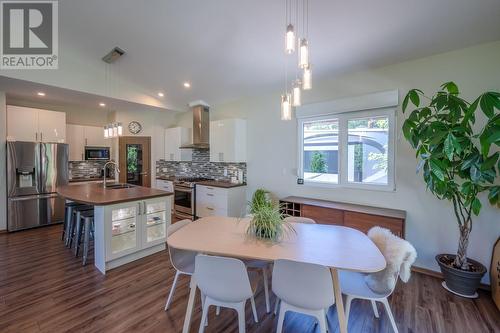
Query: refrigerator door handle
(33,197)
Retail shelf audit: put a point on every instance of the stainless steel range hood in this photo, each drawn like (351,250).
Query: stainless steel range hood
(201,126)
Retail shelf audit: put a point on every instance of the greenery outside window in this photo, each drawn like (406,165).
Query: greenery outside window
(353,149)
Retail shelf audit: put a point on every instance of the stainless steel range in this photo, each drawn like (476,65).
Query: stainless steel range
(185,196)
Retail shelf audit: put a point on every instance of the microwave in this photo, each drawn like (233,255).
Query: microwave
(97,153)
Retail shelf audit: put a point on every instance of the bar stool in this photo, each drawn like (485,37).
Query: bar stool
(75,231)
(87,217)
(68,215)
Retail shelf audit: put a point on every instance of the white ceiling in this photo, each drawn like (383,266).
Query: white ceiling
(232,48)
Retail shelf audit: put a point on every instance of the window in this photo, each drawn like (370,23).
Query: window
(352,149)
(321,151)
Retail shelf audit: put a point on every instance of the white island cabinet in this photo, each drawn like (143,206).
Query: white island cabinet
(128,231)
(130,222)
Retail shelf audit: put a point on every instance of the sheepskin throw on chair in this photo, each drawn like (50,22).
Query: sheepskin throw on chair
(399,255)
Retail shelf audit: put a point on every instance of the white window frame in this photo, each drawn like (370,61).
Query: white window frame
(342,119)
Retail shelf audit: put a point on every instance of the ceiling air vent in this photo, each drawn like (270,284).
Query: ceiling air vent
(113,55)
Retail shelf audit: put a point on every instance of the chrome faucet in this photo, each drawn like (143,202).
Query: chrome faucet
(104,169)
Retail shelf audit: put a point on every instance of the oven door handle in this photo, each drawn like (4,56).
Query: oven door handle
(183,189)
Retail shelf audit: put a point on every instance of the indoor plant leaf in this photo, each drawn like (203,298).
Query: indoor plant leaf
(451,87)
(476,206)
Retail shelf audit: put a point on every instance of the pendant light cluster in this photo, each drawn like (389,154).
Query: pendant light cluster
(292,96)
(113,130)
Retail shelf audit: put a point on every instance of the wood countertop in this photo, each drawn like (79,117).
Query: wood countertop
(213,183)
(218,183)
(395,213)
(95,194)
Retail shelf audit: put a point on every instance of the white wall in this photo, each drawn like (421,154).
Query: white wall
(430,224)
(3,162)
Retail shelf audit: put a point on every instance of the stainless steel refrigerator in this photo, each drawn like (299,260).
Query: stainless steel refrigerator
(34,170)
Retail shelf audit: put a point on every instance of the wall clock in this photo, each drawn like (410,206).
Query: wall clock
(134,127)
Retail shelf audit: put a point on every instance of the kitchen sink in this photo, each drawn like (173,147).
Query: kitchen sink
(116,186)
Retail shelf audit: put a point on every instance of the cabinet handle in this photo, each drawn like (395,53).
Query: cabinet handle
(209,188)
(210,195)
(210,208)
(36,136)
(139,212)
(145,209)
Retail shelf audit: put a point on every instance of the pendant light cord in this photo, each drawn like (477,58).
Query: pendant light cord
(286,25)
(307,19)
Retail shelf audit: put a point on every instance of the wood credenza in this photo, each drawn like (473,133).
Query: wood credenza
(359,217)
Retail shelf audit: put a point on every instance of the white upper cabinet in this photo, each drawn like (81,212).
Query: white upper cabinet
(76,142)
(94,136)
(174,138)
(79,136)
(29,124)
(22,123)
(228,140)
(52,126)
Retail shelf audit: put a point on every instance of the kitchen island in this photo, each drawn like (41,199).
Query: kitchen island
(130,221)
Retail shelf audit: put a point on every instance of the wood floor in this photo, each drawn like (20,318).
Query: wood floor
(43,288)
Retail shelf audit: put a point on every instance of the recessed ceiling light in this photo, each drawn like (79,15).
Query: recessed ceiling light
(102,104)
(40,93)
(187,85)
(160,94)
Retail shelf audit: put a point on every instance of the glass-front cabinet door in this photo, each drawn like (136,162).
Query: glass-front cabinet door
(124,225)
(155,224)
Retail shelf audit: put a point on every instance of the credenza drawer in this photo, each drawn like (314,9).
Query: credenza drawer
(323,215)
(365,222)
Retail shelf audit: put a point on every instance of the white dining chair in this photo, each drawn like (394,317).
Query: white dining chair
(293,219)
(304,288)
(299,219)
(377,287)
(181,260)
(224,282)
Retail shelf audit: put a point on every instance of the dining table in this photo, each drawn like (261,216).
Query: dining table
(335,247)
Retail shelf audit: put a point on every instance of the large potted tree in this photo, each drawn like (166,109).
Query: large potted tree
(458,159)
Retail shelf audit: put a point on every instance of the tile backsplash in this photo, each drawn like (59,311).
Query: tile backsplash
(200,167)
(87,169)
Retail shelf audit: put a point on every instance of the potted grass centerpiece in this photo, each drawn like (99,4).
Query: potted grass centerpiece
(458,161)
(268,221)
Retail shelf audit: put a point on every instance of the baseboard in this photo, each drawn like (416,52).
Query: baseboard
(439,275)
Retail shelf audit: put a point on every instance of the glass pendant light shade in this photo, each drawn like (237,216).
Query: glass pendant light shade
(296,98)
(115,130)
(106,135)
(120,129)
(290,39)
(307,78)
(286,107)
(303,53)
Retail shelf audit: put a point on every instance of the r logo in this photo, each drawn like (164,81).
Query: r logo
(29,29)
